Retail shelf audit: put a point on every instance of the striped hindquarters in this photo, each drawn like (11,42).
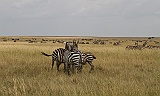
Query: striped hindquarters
(75,58)
(87,58)
(58,54)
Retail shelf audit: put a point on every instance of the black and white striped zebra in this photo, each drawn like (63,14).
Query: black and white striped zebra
(57,56)
(87,57)
(72,57)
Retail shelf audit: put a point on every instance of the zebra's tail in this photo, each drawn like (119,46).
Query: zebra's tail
(42,53)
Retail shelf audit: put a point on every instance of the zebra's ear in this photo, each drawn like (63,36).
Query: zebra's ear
(77,44)
(77,41)
(74,41)
(67,46)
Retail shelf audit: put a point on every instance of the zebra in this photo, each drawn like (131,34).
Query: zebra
(57,56)
(72,57)
(86,57)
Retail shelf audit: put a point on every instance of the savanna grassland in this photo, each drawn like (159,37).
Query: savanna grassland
(118,72)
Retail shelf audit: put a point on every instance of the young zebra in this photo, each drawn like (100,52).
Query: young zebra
(57,56)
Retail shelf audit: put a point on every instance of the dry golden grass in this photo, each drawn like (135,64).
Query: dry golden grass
(118,72)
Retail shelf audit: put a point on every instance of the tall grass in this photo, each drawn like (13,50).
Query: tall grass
(118,72)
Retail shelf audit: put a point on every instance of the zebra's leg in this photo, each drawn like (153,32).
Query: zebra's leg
(52,63)
(67,68)
(92,66)
(79,69)
(58,64)
(64,68)
(73,67)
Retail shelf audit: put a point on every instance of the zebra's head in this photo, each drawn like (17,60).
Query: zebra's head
(68,46)
(74,46)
